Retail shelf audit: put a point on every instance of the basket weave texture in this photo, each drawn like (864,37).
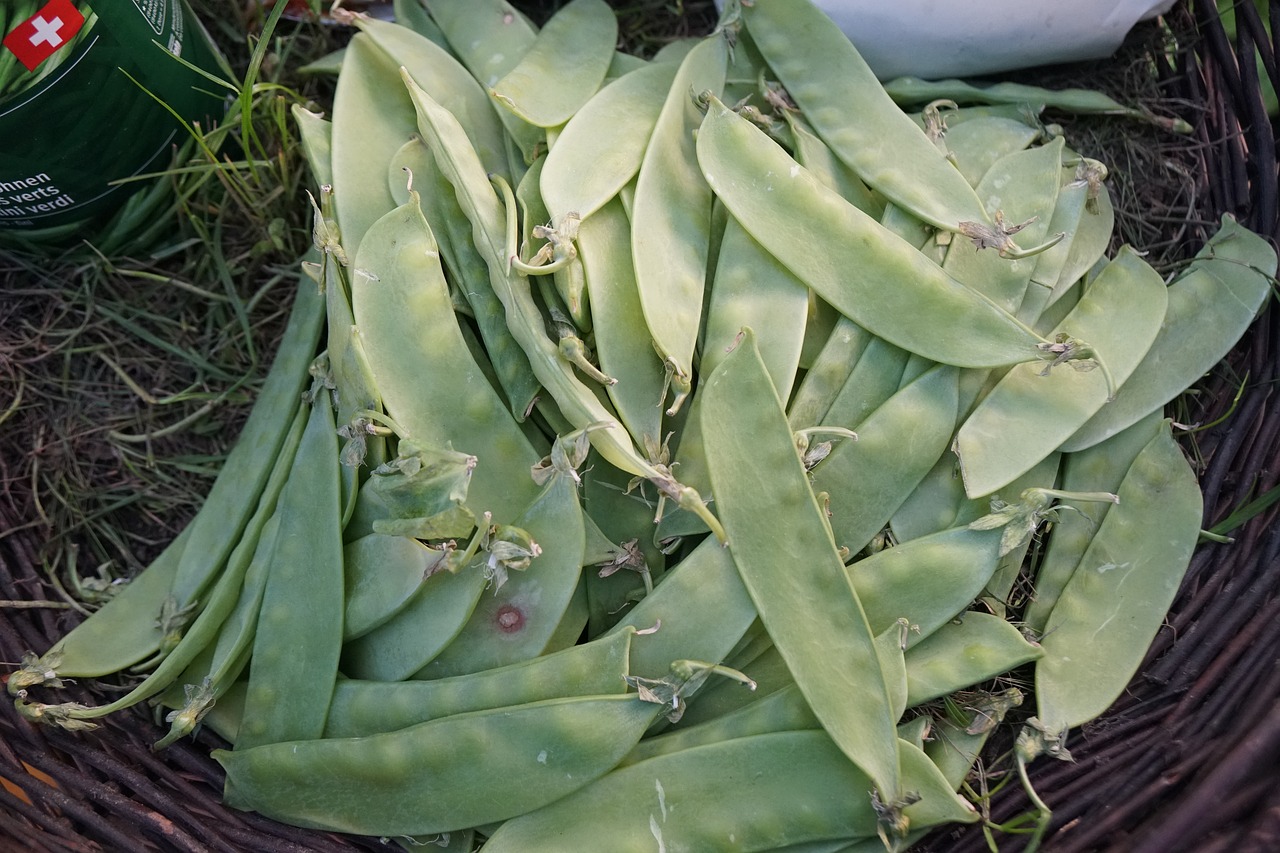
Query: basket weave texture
(1184,761)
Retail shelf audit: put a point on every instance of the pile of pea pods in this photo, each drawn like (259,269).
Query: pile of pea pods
(706,452)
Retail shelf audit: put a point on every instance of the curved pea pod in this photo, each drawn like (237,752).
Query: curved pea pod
(932,505)
(724,696)
(926,581)
(516,621)
(976,145)
(414,15)
(1117,598)
(299,634)
(869,479)
(123,631)
(623,346)
(1100,468)
(971,650)
(1021,189)
(783,710)
(467,267)
(827,374)
(362,708)
(231,500)
(751,288)
(610,132)
(840,96)
(1211,305)
(418,356)
(814,154)
(575,400)
(1089,242)
(672,215)
(770,790)
(873,380)
(700,610)
(788,211)
(563,67)
(419,630)
(382,574)
(437,71)
(805,602)
(490,37)
(443,775)
(371,120)
(1028,415)
(316,135)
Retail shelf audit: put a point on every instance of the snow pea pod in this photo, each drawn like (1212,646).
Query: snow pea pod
(751,288)
(1027,415)
(1117,598)
(1210,306)
(610,132)
(443,775)
(316,135)
(402,306)
(371,120)
(787,210)
(362,708)
(868,480)
(765,502)
(517,620)
(449,82)
(926,581)
(490,37)
(1100,468)
(701,610)
(623,346)
(971,650)
(382,574)
(672,217)
(977,144)
(782,710)
(771,790)
(1022,187)
(464,263)
(301,608)
(844,102)
(814,154)
(828,373)
(123,631)
(563,67)
(231,500)
(873,380)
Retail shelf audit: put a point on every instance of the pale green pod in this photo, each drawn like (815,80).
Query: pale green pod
(563,67)
(601,147)
(1028,415)
(1117,598)
(973,649)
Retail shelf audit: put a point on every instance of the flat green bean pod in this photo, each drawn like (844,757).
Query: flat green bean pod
(372,119)
(563,67)
(869,479)
(1028,415)
(443,775)
(768,509)
(841,98)
(671,219)
(363,708)
(610,132)
(771,790)
(1099,468)
(1108,613)
(1210,306)
(971,650)
(517,619)
(789,212)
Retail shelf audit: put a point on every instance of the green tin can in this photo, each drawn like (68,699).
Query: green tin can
(91,94)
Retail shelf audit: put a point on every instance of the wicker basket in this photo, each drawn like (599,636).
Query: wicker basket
(1184,761)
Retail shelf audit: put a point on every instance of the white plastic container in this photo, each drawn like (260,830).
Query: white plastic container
(934,39)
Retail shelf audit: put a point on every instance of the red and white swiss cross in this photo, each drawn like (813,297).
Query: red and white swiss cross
(40,36)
